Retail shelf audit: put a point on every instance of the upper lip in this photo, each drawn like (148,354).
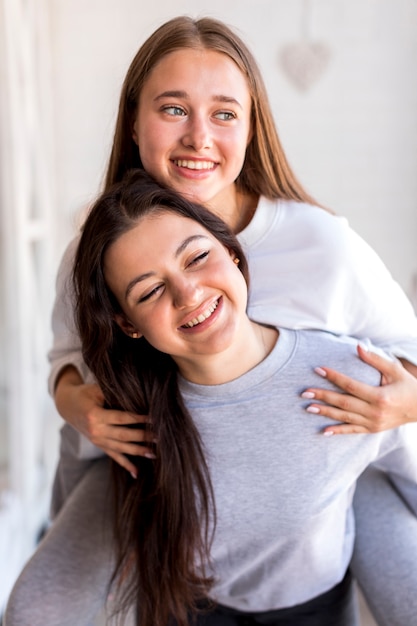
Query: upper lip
(202,310)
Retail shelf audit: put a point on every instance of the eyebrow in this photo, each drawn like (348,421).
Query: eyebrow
(178,251)
(184,95)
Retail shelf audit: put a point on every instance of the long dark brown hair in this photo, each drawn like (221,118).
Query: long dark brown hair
(266,170)
(165,518)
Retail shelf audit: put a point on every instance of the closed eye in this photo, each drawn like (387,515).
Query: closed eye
(150,294)
(200,257)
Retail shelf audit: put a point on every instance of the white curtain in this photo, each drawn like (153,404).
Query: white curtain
(26,191)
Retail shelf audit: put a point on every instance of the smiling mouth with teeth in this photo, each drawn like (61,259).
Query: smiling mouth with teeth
(202,317)
(195,165)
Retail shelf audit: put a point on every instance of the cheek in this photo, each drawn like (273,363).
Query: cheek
(149,137)
(229,275)
(154,325)
(152,151)
(237,282)
(236,146)
(242,290)
(152,130)
(146,149)
(160,337)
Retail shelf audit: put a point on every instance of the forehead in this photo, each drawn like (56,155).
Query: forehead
(193,66)
(156,235)
(155,240)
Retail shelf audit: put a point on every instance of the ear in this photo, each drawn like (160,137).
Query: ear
(127,327)
(233,256)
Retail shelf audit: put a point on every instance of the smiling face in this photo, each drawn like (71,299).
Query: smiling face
(193,126)
(180,288)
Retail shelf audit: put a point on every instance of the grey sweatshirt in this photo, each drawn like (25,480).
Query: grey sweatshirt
(285,526)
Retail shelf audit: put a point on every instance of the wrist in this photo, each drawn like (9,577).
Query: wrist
(68,380)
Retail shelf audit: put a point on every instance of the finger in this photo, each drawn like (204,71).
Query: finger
(389,369)
(352,419)
(350,386)
(106,435)
(342,401)
(125,418)
(124,462)
(345,429)
(131,435)
(132,449)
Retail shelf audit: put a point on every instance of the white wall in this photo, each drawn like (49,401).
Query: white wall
(352,138)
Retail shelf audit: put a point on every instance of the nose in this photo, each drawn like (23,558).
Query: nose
(186,293)
(197,133)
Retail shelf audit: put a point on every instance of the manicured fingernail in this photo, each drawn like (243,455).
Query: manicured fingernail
(364,346)
(312,409)
(320,371)
(308,394)
(133,475)
(328,433)
(149,455)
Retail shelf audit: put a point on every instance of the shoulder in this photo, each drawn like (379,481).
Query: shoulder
(312,228)
(298,222)
(312,221)
(70,251)
(67,262)
(288,226)
(338,352)
(288,220)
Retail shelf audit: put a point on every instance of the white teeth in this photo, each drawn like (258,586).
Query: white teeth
(195,165)
(202,317)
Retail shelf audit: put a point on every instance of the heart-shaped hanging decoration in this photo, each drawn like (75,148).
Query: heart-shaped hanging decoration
(304,62)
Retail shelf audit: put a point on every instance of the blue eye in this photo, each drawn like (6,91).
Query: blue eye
(225,116)
(174,110)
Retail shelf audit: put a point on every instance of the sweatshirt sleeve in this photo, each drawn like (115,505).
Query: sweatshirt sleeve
(310,269)
(400,463)
(66,346)
(376,305)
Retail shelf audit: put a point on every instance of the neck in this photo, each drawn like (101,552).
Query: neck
(241,208)
(216,369)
